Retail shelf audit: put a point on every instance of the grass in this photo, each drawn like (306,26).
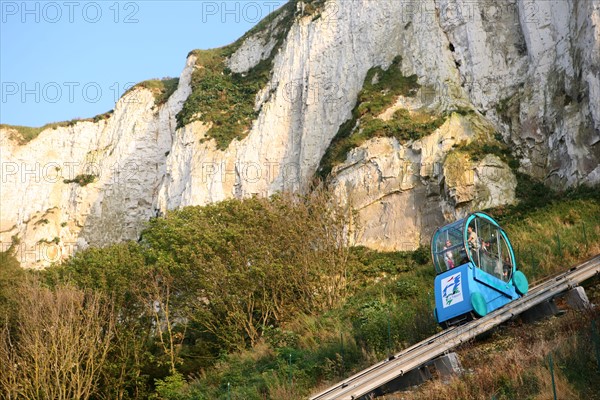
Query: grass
(380,91)
(477,150)
(162,89)
(403,126)
(266,370)
(292,359)
(25,134)
(224,99)
(549,229)
(533,195)
(394,289)
(554,237)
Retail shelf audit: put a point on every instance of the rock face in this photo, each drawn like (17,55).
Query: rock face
(403,192)
(51,217)
(529,70)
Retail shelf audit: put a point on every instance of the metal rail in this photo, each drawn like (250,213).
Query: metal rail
(415,356)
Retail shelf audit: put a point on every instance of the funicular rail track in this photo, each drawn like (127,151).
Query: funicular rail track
(413,357)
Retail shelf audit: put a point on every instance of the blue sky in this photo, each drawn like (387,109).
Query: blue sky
(61,60)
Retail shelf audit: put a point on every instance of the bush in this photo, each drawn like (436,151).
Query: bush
(82,180)
(171,388)
(287,253)
(11,276)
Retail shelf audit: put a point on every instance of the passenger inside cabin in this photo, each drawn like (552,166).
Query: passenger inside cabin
(485,246)
(448,256)
(472,239)
(473,242)
(506,268)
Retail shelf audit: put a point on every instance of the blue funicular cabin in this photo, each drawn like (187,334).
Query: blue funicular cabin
(476,269)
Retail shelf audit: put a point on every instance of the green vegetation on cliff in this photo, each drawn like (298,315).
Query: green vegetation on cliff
(226,99)
(82,180)
(221,98)
(25,134)
(380,90)
(162,89)
(478,149)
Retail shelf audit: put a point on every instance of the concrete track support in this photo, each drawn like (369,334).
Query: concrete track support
(577,299)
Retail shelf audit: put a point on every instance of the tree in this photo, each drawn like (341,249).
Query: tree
(11,276)
(169,330)
(117,271)
(240,266)
(58,345)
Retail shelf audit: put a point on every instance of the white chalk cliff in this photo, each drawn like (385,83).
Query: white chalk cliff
(529,71)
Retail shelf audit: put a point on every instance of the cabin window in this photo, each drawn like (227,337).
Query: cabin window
(476,228)
(449,251)
(489,249)
(507,262)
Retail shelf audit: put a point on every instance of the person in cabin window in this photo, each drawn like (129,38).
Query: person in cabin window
(448,256)
(473,242)
(472,238)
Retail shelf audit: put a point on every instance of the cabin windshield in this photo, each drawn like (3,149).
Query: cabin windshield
(488,248)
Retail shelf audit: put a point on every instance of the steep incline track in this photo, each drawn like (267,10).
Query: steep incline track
(379,374)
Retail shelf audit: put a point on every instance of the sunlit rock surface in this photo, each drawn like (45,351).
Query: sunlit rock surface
(529,69)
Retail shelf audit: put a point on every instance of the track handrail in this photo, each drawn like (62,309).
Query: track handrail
(369,379)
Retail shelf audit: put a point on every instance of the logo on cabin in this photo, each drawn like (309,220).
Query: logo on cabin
(451,290)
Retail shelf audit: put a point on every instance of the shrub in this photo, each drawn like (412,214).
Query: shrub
(287,253)
(82,180)
(171,388)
